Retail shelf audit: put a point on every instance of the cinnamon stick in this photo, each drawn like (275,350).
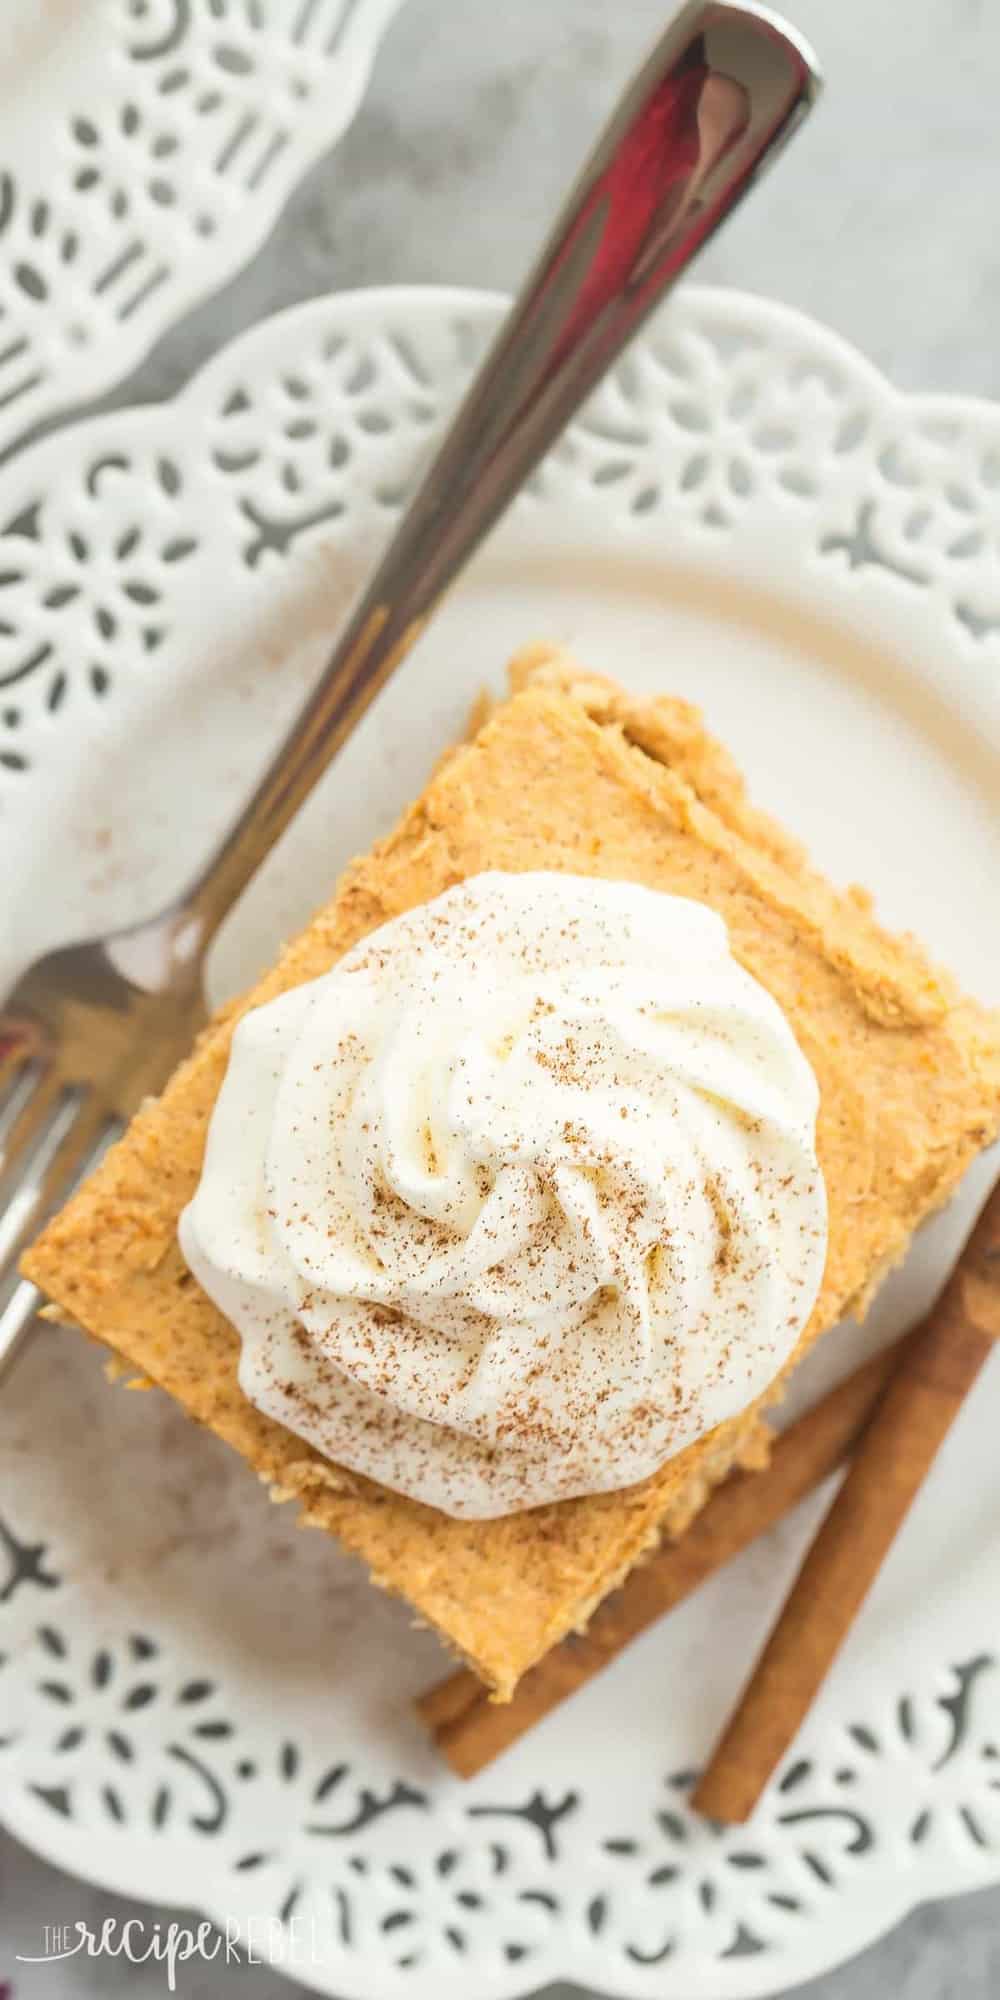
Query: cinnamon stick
(935,1373)
(471,1730)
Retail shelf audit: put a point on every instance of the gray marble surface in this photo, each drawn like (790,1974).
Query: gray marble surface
(881,221)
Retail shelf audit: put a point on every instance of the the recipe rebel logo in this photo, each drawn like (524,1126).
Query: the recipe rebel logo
(269,1941)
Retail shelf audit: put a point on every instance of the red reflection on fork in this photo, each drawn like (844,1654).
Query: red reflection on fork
(20,1042)
(692,118)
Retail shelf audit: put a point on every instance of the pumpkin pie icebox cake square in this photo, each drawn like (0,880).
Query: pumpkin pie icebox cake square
(487,1225)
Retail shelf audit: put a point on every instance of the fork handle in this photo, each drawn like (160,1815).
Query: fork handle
(723,89)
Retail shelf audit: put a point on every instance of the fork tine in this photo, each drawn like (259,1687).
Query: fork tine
(17,1083)
(26,1173)
(19,1298)
(16,1317)
(83,1135)
(34,1104)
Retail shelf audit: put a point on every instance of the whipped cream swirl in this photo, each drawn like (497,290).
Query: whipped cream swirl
(519,1199)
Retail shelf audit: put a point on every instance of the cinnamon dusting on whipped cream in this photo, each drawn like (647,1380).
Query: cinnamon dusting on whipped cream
(519,1199)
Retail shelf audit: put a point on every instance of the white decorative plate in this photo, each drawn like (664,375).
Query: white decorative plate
(173,132)
(197,1701)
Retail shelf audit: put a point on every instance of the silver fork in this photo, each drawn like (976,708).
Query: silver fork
(92,1029)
